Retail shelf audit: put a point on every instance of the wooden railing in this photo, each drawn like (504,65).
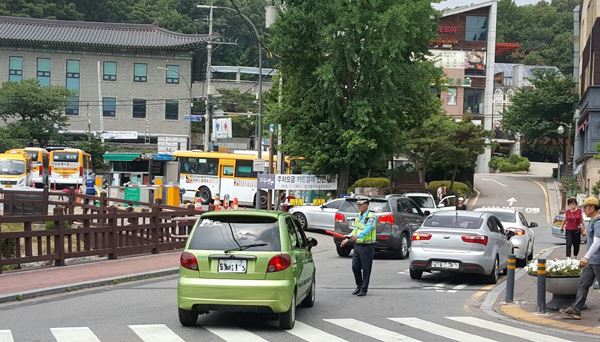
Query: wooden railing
(100,229)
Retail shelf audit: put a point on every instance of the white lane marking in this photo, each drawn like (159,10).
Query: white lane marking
(440,285)
(457,287)
(506,329)
(310,334)
(370,330)
(74,334)
(235,334)
(440,330)
(6,336)
(155,333)
(493,180)
(405,271)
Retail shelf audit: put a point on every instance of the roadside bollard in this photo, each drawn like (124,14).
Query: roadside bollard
(510,278)
(541,286)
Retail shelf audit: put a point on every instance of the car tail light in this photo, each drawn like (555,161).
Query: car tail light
(482,239)
(389,219)
(518,231)
(188,260)
(340,218)
(81,171)
(420,236)
(279,263)
(41,171)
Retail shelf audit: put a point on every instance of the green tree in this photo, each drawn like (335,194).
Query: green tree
(538,111)
(34,113)
(234,101)
(355,76)
(93,145)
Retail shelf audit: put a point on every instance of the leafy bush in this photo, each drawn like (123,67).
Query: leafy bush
(511,164)
(379,183)
(460,189)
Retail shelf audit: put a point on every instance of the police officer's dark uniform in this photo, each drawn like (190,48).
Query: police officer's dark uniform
(364,236)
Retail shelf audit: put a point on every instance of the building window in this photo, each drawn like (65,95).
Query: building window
(171,110)
(476,28)
(73,86)
(451,101)
(110,71)
(140,72)
(473,101)
(15,72)
(173,74)
(43,71)
(139,108)
(109,106)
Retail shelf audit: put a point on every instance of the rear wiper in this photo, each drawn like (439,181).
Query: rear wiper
(244,247)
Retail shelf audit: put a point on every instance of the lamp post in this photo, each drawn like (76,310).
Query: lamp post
(189,88)
(260,85)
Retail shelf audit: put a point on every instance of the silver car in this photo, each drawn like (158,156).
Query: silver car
(317,216)
(557,223)
(524,238)
(460,241)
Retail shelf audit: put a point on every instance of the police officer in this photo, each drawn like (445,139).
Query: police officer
(363,236)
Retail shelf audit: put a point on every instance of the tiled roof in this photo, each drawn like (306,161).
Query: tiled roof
(83,34)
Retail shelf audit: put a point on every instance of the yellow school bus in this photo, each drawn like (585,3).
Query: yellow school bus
(69,167)
(39,163)
(15,170)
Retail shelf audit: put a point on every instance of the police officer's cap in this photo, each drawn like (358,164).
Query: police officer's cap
(362,200)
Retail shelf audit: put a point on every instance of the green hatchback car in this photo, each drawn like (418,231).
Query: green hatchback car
(249,261)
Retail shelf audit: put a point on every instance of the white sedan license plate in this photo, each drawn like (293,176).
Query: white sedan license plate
(232,266)
(444,264)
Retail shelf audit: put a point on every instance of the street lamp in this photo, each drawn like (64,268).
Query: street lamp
(187,84)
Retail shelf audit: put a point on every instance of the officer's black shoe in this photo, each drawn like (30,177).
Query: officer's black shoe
(356,291)
(362,293)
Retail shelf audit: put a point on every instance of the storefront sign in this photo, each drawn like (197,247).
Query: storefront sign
(458,59)
(447,29)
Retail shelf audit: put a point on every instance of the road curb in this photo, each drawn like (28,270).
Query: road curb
(513,312)
(19,296)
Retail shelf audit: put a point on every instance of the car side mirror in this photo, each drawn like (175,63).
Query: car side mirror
(312,242)
(509,234)
(533,224)
(426,213)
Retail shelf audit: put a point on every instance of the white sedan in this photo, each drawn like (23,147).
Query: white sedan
(317,216)
(515,221)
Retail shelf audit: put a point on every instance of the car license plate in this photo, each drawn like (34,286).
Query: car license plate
(232,266)
(444,264)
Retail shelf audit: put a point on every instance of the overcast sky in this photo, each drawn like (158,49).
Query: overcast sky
(454,3)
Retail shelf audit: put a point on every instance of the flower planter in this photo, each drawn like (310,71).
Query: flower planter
(563,289)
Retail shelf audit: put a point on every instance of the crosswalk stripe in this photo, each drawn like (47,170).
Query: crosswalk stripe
(457,287)
(74,334)
(155,333)
(371,330)
(508,330)
(441,330)
(310,334)
(235,334)
(6,336)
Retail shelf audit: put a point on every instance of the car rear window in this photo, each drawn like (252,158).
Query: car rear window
(451,221)
(423,201)
(222,235)
(374,207)
(503,216)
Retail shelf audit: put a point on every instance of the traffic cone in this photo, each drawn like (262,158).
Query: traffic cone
(198,203)
(235,203)
(226,202)
(217,203)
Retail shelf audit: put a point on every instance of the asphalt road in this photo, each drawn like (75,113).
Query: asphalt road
(438,307)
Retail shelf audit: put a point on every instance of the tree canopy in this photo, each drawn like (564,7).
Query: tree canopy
(355,75)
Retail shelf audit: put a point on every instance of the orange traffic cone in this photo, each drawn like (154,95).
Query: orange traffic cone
(217,203)
(198,203)
(235,203)
(226,202)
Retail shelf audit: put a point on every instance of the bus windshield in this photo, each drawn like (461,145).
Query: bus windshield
(12,167)
(66,157)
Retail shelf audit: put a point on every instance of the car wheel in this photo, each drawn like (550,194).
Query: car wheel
(343,251)
(492,278)
(309,301)
(204,194)
(288,319)
(302,219)
(263,200)
(187,318)
(402,252)
(414,274)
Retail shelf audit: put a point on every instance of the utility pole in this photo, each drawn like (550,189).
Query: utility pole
(208,105)
(101,103)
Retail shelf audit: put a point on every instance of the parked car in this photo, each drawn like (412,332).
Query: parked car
(246,261)
(317,216)
(557,222)
(524,239)
(460,241)
(397,218)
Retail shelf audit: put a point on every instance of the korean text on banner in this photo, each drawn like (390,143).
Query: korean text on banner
(305,182)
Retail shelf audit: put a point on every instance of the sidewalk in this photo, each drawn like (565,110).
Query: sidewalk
(524,307)
(53,280)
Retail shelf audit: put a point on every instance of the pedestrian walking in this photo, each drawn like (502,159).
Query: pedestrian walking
(363,236)
(590,262)
(90,183)
(573,227)
(461,204)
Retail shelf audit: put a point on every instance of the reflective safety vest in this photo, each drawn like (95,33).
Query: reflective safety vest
(360,223)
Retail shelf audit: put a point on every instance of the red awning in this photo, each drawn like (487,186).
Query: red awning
(506,48)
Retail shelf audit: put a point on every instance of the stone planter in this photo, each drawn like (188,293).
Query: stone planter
(563,289)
